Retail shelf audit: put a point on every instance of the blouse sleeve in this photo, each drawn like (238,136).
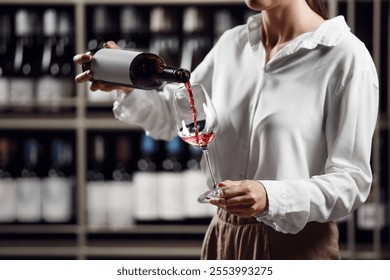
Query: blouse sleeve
(148,109)
(347,178)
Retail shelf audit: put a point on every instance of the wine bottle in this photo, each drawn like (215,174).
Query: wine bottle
(223,20)
(120,188)
(196,42)
(133,69)
(5,60)
(49,88)
(133,33)
(57,186)
(146,183)
(171,182)
(103,27)
(26,60)
(96,188)
(7,184)
(194,184)
(370,217)
(164,38)
(28,202)
(55,84)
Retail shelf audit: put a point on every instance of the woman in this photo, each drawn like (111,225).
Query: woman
(297,99)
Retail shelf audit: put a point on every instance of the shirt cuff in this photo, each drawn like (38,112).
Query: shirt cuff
(262,216)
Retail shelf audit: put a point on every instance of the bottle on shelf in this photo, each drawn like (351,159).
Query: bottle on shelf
(28,188)
(223,20)
(146,183)
(132,27)
(104,26)
(57,187)
(96,189)
(5,59)
(7,183)
(103,29)
(65,49)
(170,180)
(55,84)
(164,36)
(370,217)
(25,60)
(194,184)
(196,41)
(49,89)
(120,189)
(134,69)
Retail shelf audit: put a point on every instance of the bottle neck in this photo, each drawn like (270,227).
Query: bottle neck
(174,74)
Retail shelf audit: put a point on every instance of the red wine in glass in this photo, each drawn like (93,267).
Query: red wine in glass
(196,122)
(200,140)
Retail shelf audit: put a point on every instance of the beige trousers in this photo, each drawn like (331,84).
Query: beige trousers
(233,238)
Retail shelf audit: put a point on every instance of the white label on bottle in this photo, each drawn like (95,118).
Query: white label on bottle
(170,201)
(120,204)
(113,65)
(56,199)
(195,184)
(371,216)
(145,196)
(50,92)
(67,87)
(7,200)
(28,200)
(96,204)
(4,92)
(22,92)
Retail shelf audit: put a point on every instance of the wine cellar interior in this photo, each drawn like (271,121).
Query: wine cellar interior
(66,189)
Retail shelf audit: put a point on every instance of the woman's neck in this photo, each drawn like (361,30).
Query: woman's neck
(283,24)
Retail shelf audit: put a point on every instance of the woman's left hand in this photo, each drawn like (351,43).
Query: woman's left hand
(242,198)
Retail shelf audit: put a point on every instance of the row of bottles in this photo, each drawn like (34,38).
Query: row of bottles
(36,180)
(147,181)
(36,51)
(131,179)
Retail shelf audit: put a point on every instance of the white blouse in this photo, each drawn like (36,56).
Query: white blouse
(302,124)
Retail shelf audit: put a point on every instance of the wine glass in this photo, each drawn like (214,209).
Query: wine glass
(196,122)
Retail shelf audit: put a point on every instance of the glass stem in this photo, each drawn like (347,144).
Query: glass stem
(206,154)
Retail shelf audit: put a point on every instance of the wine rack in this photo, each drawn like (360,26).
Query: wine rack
(66,131)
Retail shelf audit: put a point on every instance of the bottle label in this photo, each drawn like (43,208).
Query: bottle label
(113,66)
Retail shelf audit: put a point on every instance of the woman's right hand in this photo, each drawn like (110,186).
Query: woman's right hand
(88,75)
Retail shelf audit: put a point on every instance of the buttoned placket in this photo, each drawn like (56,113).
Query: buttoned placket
(254,32)
(254,37)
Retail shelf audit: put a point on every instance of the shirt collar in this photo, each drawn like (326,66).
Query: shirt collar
(327,34)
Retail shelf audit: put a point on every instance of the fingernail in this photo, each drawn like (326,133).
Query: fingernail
(106,44)
(86,56)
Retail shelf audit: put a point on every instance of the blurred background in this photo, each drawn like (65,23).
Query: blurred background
(71,175)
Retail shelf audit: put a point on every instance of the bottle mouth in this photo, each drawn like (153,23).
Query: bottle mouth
(183,74)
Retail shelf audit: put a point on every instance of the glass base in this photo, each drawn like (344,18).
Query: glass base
(210,194)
